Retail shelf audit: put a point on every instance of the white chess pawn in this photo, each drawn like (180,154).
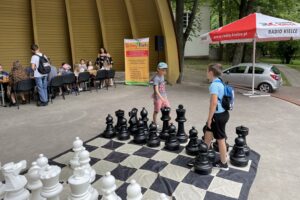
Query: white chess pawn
(134,191)
(50,179)
(108,187)
(14,182)
(163,197)
(77,148)
(42,161)
(84,160)
(34,183)
(81,188)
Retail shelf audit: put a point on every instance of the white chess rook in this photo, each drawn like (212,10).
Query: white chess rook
(81,188)
(50,179)
(108,187)
(134,191)
(34,183)
(84,159)
(77,148)
(14,182)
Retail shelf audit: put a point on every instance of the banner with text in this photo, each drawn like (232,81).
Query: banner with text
(136,61)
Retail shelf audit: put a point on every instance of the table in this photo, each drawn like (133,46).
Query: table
(4,81)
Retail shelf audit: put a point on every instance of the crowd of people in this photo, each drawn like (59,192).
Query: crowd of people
(42,81)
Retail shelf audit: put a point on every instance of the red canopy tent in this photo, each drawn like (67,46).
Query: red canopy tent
(254,28)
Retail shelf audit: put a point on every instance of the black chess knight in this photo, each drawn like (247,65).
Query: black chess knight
(133,121)
(120,116)
(144,117)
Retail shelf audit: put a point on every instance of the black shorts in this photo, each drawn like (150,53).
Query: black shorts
(218,125)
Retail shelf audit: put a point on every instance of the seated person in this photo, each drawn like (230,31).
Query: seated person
(90,66)
(17,74)
(4,75)
(82,66)
(64,69)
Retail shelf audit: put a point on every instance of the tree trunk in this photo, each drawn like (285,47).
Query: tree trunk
(180,40)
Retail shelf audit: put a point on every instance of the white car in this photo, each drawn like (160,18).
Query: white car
(267,76)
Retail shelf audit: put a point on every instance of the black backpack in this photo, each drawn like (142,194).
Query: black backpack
(44,65)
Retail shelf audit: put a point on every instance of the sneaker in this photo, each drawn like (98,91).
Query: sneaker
(80,89)
(221,165)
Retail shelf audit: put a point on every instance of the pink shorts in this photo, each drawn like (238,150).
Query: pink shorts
(158,104)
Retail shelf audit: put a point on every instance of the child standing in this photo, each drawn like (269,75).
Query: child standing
(160,95)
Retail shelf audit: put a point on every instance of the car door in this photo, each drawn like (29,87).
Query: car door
(259,71)
(234,75)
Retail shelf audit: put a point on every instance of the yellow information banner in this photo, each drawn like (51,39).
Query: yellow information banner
(136,61)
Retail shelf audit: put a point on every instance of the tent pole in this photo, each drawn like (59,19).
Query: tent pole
(253,64)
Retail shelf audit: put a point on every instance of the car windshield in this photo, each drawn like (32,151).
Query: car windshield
(275,70)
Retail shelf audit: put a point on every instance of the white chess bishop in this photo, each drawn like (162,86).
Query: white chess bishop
(81,188)
(42,161)
(77,148)
(134,191)
(14,182)
(34,183)
(84,160)
(50,179)
(108,187)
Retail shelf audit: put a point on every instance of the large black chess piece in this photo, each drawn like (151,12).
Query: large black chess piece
(172,143)
(237,155)
(181,135)
(123,134)
(140,137)
(133,120)
(243,131)
(109,131)
(211,154)
(120,116)
(144,116)
(192,148)
(164,134)
(216,146)
(153,140)
(202,165)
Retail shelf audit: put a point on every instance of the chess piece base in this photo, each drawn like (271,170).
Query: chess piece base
(239,162)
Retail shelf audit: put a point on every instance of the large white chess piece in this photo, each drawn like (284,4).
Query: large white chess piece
(42,161)
(34,183)
(108,187)
(134,191)
(14,182)
(50,179)
(163,197)
(84,159)
(2,188)
(77,148)
(81,188)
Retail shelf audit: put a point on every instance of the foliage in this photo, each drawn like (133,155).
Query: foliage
(287,50)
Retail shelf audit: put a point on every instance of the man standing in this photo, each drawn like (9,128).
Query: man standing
(40,79)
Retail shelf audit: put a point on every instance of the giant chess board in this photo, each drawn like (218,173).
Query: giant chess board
(160,171)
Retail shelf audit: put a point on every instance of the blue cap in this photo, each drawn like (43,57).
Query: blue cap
(162,65)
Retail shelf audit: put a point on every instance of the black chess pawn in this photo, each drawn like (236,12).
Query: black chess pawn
(164,134)
(237,155)
(153,140)
(181,135)
(120,116)
(192,148)
(172,143)
(123,134)
(144,116)
(140,137)
(133,120)
(109,131)
(243,132)
(202,165)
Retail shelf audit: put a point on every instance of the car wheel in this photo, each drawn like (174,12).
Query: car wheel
(265,87)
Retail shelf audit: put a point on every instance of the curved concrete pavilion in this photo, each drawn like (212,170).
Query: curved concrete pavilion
(69,30)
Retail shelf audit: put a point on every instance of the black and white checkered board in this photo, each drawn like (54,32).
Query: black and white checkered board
(161,171)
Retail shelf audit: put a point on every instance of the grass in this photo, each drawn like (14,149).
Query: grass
(295,64)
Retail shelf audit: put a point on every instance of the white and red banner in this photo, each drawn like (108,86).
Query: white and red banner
(256,25)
